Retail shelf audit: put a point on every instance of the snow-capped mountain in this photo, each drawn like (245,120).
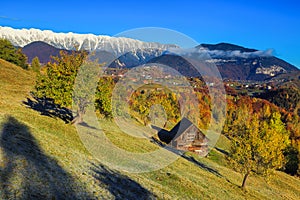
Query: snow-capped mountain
(233,61)
(89,42)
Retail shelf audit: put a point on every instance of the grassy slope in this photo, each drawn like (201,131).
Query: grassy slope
(70,163)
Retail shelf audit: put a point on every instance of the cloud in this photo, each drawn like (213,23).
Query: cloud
(9,18)
(219,53)
(237,53)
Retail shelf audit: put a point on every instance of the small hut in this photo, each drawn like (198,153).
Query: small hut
(185,136)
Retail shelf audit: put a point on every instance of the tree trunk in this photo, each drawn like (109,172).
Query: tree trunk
(244,180)
(78,118)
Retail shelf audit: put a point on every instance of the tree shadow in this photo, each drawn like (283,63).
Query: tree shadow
(47,107)
(202,165)
(86,125)
(119,185)
(222,151)
(27,173)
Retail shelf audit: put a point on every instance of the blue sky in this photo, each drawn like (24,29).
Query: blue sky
(255,24)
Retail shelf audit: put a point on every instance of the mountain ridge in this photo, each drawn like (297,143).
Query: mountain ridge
(226,47)
(42,50)
(69,41)
(233,61)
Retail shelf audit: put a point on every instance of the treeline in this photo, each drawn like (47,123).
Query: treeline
(12,54)
(287,97)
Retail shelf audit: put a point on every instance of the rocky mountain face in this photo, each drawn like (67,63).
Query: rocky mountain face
(239,63)
(233,61)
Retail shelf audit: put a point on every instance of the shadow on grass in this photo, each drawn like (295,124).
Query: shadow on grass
(222,151)
(47,107)
(27,173)
(86,125)
(202,165)
(119,185)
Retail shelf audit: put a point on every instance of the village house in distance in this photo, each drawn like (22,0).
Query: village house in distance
(185,136)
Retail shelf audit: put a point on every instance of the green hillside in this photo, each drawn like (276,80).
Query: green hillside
(43,158)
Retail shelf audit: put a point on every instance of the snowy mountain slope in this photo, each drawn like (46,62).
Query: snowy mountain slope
(233,61)
(90,42)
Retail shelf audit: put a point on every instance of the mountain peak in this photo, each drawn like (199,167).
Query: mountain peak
(42,50)
(226,47)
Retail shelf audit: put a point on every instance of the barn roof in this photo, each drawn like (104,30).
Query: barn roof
(177,130)
(180,127)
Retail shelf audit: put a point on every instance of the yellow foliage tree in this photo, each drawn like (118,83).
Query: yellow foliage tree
(257,145)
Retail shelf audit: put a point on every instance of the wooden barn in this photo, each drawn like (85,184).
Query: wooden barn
(185,136)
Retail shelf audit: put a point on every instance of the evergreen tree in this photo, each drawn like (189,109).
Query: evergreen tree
(9,53)
(35,64)
(21,59)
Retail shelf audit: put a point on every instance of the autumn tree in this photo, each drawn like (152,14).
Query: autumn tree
(103,96)
(143,99)
(58,79)
(257,145)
